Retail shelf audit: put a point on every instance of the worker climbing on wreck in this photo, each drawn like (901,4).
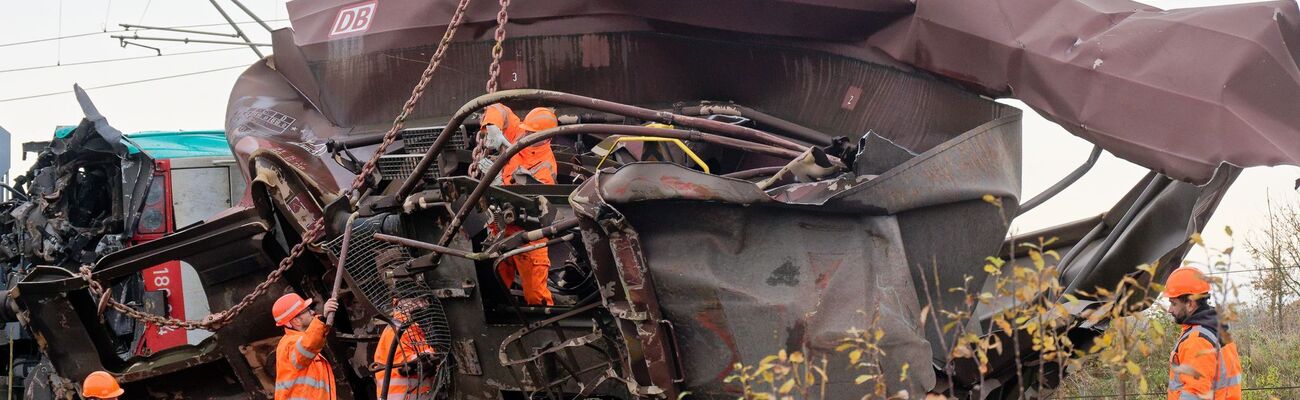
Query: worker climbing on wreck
(412,376)
(301,372)
(100,385)
(533,165)
(1204,362)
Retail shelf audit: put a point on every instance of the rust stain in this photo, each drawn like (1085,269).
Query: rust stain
(682,186)
(595,51)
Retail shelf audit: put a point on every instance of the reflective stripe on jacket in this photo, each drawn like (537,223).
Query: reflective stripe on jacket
(301,372)
(1217,368)
(403,387)
(537,162)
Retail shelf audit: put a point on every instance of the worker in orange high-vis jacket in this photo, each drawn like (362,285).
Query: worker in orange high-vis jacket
(413,374)
(498,123)
(99,385)
(301,372)
(533,165)
(1204,362)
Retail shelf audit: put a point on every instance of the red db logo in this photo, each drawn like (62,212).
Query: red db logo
(354,19)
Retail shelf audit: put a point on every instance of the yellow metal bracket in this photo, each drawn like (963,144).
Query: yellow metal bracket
(678,142)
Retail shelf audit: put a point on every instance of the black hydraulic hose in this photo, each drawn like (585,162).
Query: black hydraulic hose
(552,97)
(388,369)
(791,129)
(632,130)
(755,172)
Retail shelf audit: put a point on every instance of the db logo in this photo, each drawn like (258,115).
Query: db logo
(354,19)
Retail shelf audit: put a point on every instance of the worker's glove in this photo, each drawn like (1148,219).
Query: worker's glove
(485,164)
(494,139)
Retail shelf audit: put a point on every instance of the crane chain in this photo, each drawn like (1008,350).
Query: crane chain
(494,73)
(216,320)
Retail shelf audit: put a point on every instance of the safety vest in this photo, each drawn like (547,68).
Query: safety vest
(1220,376)
(301,372)
(537,161)
(402,387)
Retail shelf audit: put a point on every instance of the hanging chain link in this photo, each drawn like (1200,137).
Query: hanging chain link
(494,74)
(219,319)
(494,70)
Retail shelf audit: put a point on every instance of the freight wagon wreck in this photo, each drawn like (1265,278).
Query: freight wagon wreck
(727,188)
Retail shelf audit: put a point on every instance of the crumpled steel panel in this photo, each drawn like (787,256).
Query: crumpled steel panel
(741,283)
(807,260)
(1177,91)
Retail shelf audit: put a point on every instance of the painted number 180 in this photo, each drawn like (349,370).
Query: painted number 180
(163,282)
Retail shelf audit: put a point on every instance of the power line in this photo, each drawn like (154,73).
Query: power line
(1253,270)
(126,83)
(107,10)
(116,59)
(146,11)
(61,37)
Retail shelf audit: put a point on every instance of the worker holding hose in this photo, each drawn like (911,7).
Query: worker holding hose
(532,165)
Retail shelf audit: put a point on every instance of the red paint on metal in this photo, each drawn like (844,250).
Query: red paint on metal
(683,186)
(164,277)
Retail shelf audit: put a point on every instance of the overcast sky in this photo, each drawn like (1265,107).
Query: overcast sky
(198,101)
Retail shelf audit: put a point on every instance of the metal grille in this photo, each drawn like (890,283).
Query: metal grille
(415,142)
(370,262)
(418,140)
(400,166)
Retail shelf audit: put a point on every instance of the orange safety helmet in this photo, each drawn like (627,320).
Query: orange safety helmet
(500,115)
(1186,280)
(100,385)
(287,307)
(540,119)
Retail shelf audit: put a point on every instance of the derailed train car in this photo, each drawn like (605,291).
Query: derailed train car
(832,155)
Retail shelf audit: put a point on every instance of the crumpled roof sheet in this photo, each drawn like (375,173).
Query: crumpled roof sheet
(1177,91)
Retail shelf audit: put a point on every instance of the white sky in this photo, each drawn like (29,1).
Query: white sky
(199,101)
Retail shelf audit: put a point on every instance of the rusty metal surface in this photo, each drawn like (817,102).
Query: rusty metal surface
(683,263)
(1139,81)
(720,251)
(62,311)
(1178,91)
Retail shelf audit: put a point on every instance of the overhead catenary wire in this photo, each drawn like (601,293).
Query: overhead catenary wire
(1233,271)
(59,56)
(108,60)
(107,10)
(146,11)
(61,37)
(127,83)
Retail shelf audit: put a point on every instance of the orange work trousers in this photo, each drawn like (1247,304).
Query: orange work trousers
(533,268)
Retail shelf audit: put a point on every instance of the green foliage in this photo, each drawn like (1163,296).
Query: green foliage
(1129,360)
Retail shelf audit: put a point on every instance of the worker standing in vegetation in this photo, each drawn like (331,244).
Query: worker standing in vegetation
(301,372)
(533,165)
(99,385)
(413,374)
(1204,362)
